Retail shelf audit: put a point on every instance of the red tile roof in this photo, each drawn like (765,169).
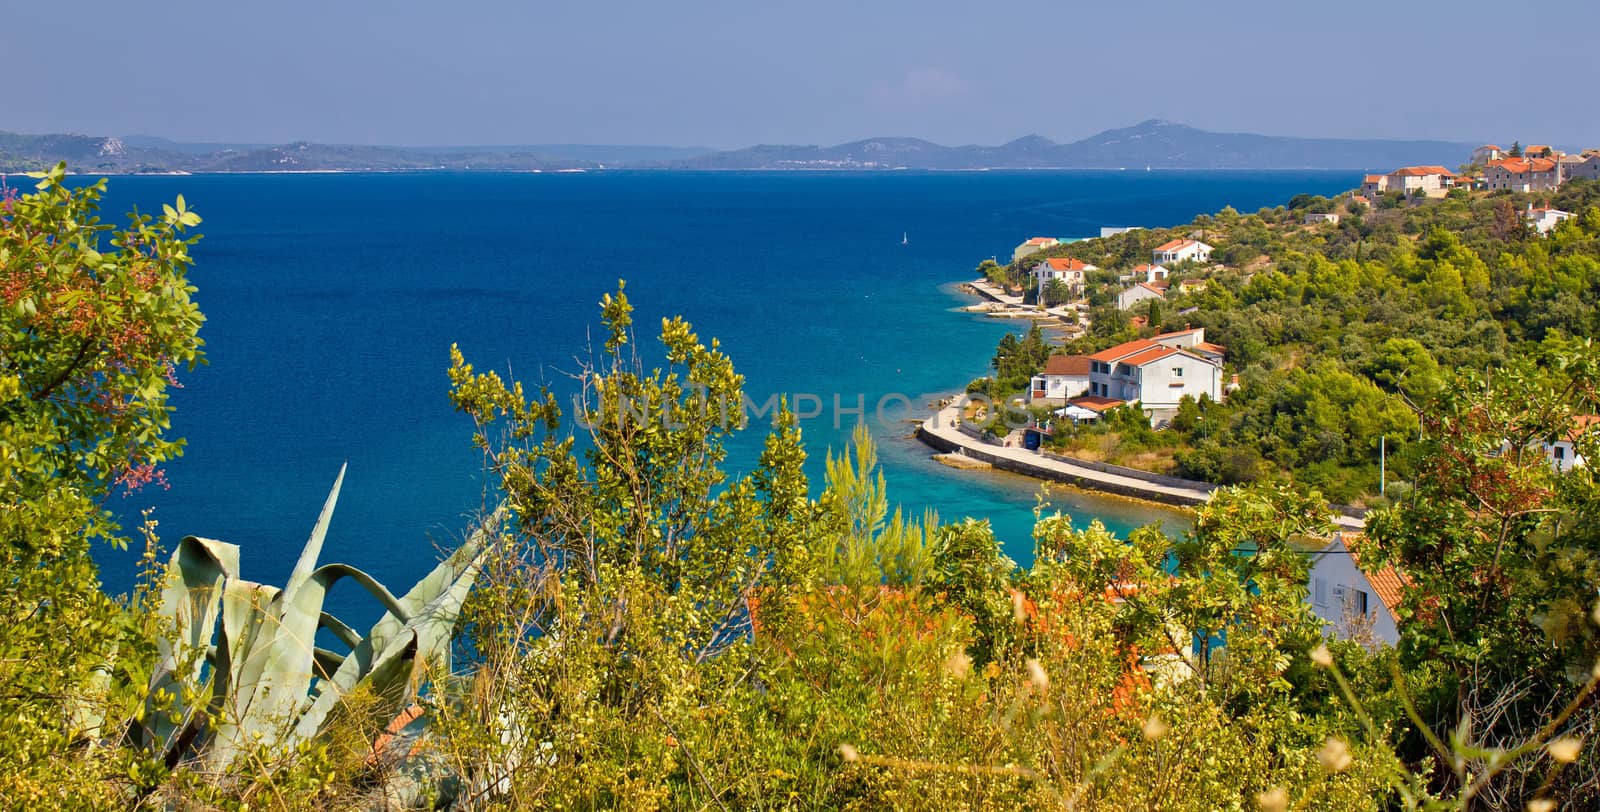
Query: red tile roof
(1582,424)
(1173,245)
(1041,240)
(1111,354)
(1096,403)
(1074,365)
(1150,356)
(1069,264)
(1159,290)
(1420,171)
(1519,166)
(1387,582)
(1209,347)
(1372,179)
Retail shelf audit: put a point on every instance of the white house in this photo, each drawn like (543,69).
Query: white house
(1563,453)
(1486,153)
(1063,377)
(1064,269)
(1523,174)
(1350,598)
(1193,340)
(1154,374)
(1544,218)
(1317,218)
(1141,292)
(1432,181)
(1033,246)
(1151,273)
(1180,250)
(1112,231)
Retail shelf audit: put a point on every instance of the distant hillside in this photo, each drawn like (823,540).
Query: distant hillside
(23,153)
(1155,143)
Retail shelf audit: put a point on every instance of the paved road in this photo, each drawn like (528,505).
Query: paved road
(943,427)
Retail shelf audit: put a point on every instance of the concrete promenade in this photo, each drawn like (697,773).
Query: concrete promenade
(941,431)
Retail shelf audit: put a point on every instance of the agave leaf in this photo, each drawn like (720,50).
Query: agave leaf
(422,637)
(191,602)
(247,627)
(275,684)
(348,636)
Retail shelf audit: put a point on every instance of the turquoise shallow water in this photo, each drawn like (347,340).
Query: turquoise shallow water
(333,299)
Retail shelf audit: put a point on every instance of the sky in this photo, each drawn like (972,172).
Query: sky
(730,73)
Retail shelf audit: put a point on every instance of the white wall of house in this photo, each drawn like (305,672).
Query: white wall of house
(1197,251)
(1165,382)
(1134,295)
(1074,279)
(1182,338)
(1032,246)
(1542,220)
(1059,387)
(1158,385)
(1563,455)
(1338,591)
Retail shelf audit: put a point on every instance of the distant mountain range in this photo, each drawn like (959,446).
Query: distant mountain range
(1156,144)
(151,154)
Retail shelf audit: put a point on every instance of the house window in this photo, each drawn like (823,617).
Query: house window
(1355,601)
(1559,452)
(1319,592)
(1177,372)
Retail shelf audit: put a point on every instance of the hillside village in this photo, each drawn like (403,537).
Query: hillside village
(1289,342)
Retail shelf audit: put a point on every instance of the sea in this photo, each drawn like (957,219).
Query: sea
(332,301)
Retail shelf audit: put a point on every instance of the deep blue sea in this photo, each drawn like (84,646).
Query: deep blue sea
(332,301)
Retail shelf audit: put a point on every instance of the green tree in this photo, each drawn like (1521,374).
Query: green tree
(94,324)
(634,563)
(1502,553)
(1057,292)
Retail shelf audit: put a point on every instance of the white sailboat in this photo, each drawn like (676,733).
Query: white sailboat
(905,238)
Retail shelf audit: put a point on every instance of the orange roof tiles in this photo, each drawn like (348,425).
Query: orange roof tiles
(1172,245)
(1518,166)
(1372,179)
(1067,365)
(1387,582)
(1041,241)
(1096,403)
(1582,424)
(1068,264)
(1111,354)
(1420,171)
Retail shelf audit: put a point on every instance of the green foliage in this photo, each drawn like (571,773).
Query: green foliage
(1503,554)
(239,675)
(1016,360)
(94,322)
(628,590)
(863,546)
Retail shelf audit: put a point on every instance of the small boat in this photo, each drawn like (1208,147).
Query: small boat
(905,238)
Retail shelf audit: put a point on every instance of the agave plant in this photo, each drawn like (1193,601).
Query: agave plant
(240,668)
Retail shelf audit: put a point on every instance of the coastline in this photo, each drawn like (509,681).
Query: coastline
(942,431)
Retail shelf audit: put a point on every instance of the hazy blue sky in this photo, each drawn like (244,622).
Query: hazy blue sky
(735,72)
